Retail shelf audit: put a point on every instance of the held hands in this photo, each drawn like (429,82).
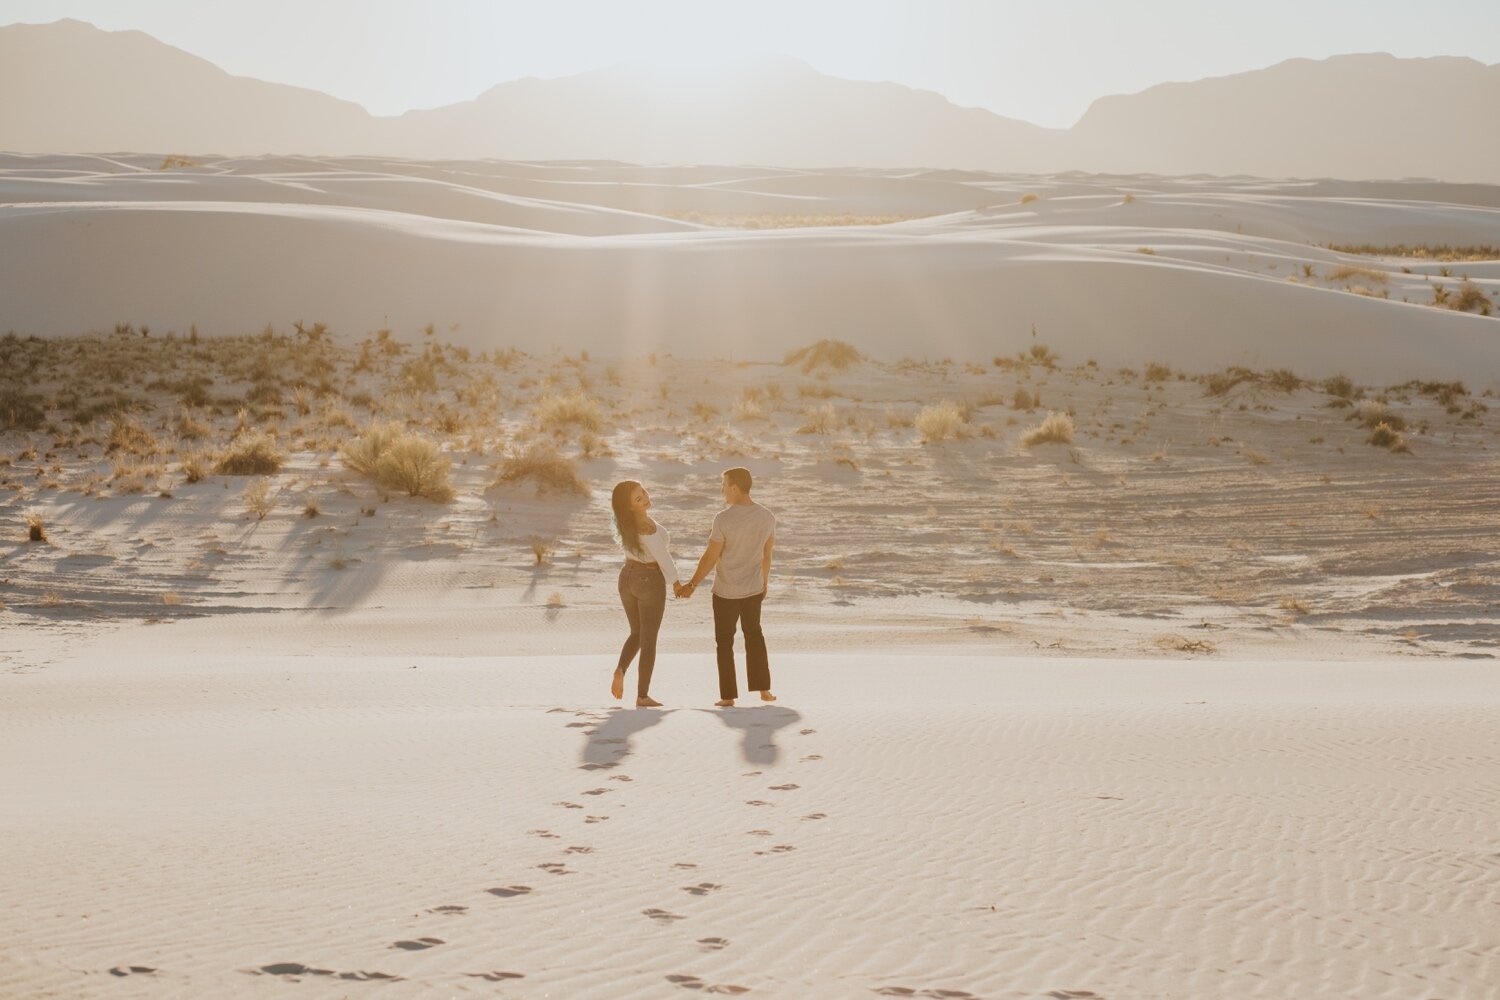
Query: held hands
(683,590)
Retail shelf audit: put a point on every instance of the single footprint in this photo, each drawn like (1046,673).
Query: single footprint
(816,816)
(449,909)
(714,943)
(1072,994)
(595,819)
(568,805)
(813,756)
(907,991)
(131,970)
(544,834)
(595,791)
(579,725)
(1112,798)
(778,849)
(363,977)
(661,915)
(752,774)
(694,983)
(685,864)
(807,732)
(420,944)
(595,766)
(507,891)
(701,889)
(554,867)
(495,977)
(784,788)
(289,969)
(578,850)
(621,777)
(756,802)
(760,833)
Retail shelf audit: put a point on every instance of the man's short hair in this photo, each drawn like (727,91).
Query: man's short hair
(739,477)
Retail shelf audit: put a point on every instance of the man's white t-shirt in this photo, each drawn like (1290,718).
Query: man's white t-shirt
(744,528)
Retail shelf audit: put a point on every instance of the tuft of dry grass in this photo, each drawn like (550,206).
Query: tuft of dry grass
(941,421)
(1056,428)
(193,465)
(541,550)
(1353,271)
(252,453)
(1183,644)
(539,462)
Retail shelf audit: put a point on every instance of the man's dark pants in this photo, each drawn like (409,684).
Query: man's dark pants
(744,611)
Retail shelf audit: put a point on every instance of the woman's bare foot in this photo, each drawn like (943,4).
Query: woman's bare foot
(617,685)
(646,701)
(724,703)
(767,696)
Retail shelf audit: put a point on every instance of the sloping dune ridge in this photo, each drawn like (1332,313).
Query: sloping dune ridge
(706,261)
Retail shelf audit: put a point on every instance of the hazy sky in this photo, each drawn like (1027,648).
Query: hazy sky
(1038,60)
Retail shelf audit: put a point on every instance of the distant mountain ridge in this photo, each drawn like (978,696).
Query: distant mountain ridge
(68,86)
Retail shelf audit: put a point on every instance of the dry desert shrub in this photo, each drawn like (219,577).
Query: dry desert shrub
(20,410)
(557,413)
(394,459)
(819,420)
(1057,428)
(189,425)
(1471,298)
(1371,413)
(748,407)
(258,500)
(1024,400)
(833,354)
(1294,606)
(36,526)
(127,435)
(941,421)
(1383,435)
(1028,198)
(1350,271)
(539,462)
(1157,372)
(252,453)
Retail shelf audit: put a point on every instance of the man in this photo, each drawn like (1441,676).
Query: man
(739,556)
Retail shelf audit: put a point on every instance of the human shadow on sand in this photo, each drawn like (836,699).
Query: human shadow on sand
(757,725)
(609,742)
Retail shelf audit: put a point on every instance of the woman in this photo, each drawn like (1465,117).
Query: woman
(643,584)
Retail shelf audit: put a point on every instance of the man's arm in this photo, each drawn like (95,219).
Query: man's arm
(707,563)
(765,565)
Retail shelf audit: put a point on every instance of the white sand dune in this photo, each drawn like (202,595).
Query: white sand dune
(499,254)
(201,823)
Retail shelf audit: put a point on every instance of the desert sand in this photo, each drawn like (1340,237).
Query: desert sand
(1133,614)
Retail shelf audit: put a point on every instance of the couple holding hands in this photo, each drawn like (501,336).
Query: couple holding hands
(739,557)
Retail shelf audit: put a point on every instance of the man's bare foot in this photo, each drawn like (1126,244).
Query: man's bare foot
(646,701)
(617,685)
(767,696)
(724,703)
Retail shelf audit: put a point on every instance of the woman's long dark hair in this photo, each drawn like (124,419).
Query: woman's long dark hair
(624,518)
